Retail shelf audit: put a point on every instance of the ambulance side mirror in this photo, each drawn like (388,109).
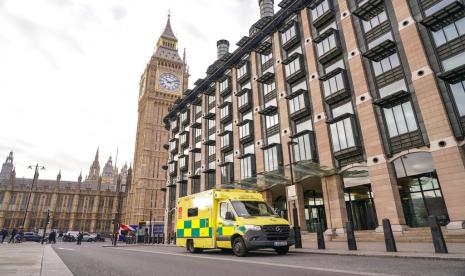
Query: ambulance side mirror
(229,216)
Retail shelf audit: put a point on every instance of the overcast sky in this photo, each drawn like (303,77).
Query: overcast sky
(69,72)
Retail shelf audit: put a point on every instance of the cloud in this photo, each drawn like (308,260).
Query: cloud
(119,12)
(38,36)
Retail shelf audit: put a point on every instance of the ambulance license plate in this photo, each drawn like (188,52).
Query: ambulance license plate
(280,243)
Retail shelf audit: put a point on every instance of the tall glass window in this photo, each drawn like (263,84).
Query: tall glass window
(375,21)
(320,9)
(326,45)
(273,159)
(334,84)
(449,32)
(342,134)
(386,64)
(419,189)
(400,119)
(458,91)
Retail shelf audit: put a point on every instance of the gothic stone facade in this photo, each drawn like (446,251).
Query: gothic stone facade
(74,206)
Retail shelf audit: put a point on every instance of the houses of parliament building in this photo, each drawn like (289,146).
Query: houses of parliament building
(89,204)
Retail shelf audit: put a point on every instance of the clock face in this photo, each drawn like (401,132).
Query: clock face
(169,82)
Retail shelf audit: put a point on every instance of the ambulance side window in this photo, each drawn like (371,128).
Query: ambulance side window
(223,209)
(192,212)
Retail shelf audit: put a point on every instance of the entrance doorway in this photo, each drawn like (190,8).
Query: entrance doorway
(420,190)
(314,210)
(360,207)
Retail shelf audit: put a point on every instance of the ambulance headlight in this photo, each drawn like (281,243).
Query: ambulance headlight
(253,227)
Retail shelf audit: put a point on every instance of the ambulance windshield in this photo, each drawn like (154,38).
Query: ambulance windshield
(252,208)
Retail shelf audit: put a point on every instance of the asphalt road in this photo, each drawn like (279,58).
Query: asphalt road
(93,259)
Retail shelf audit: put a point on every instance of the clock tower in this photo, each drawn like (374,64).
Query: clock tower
(164,79)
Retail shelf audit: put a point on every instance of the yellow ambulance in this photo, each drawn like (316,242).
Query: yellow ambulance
(230,219)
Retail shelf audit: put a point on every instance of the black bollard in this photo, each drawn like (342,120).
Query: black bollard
(169,238)
(438,239)
(319,236)
(389,236)
(174,238)
(297,234)
(351,236)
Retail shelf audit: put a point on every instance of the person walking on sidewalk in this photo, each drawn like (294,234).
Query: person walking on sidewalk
(4,234)
(12,235)
(79,238)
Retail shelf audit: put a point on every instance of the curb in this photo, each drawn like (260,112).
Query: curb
(450,257)
(382,254)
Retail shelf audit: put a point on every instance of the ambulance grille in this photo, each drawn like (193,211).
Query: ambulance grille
(276,232)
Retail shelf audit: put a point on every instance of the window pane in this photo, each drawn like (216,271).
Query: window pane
(409,116)
(458,92)
(400,119)
(335,137)
(342,134)
(390,122)
(349,133)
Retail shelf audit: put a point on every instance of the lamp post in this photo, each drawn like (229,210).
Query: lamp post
(151,206)
(45,227)
(295,215)
(34,180)
(116,222)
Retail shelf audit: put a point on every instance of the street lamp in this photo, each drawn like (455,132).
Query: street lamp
(45,227)
(151,206)
(295,216)
(34,180)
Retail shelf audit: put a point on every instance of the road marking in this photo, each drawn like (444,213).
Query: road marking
(261,263)
(62,248)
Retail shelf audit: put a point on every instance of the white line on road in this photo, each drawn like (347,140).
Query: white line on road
(261,263)
(62,248)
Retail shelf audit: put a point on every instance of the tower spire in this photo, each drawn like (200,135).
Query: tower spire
(96,154)
(168,32)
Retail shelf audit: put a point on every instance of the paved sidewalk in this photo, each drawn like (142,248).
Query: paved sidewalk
(32,259)
(404,249)
(377,249)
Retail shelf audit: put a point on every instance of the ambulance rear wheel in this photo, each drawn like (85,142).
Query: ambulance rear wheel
(239,248)
(191,248)
(282,250)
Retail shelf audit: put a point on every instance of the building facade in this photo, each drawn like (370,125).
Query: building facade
(364,99)
(161,84)
(90,205)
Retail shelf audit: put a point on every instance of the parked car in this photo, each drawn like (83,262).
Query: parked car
(31,236)
(69,238)
(99,238)
(86,237)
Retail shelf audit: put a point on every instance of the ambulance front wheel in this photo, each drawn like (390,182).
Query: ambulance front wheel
(190,247)
(282,250)
(239,248)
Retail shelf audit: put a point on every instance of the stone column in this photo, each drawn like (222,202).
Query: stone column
(335,206)
(382,177)
(448,157)
(93,224)
(4,208)
(74,210)
(286,130)
(29,217)
(53,206)
(333,194)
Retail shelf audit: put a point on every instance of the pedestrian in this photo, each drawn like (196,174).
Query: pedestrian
(12,235)
(4,234)
(79,238)
(54,237)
